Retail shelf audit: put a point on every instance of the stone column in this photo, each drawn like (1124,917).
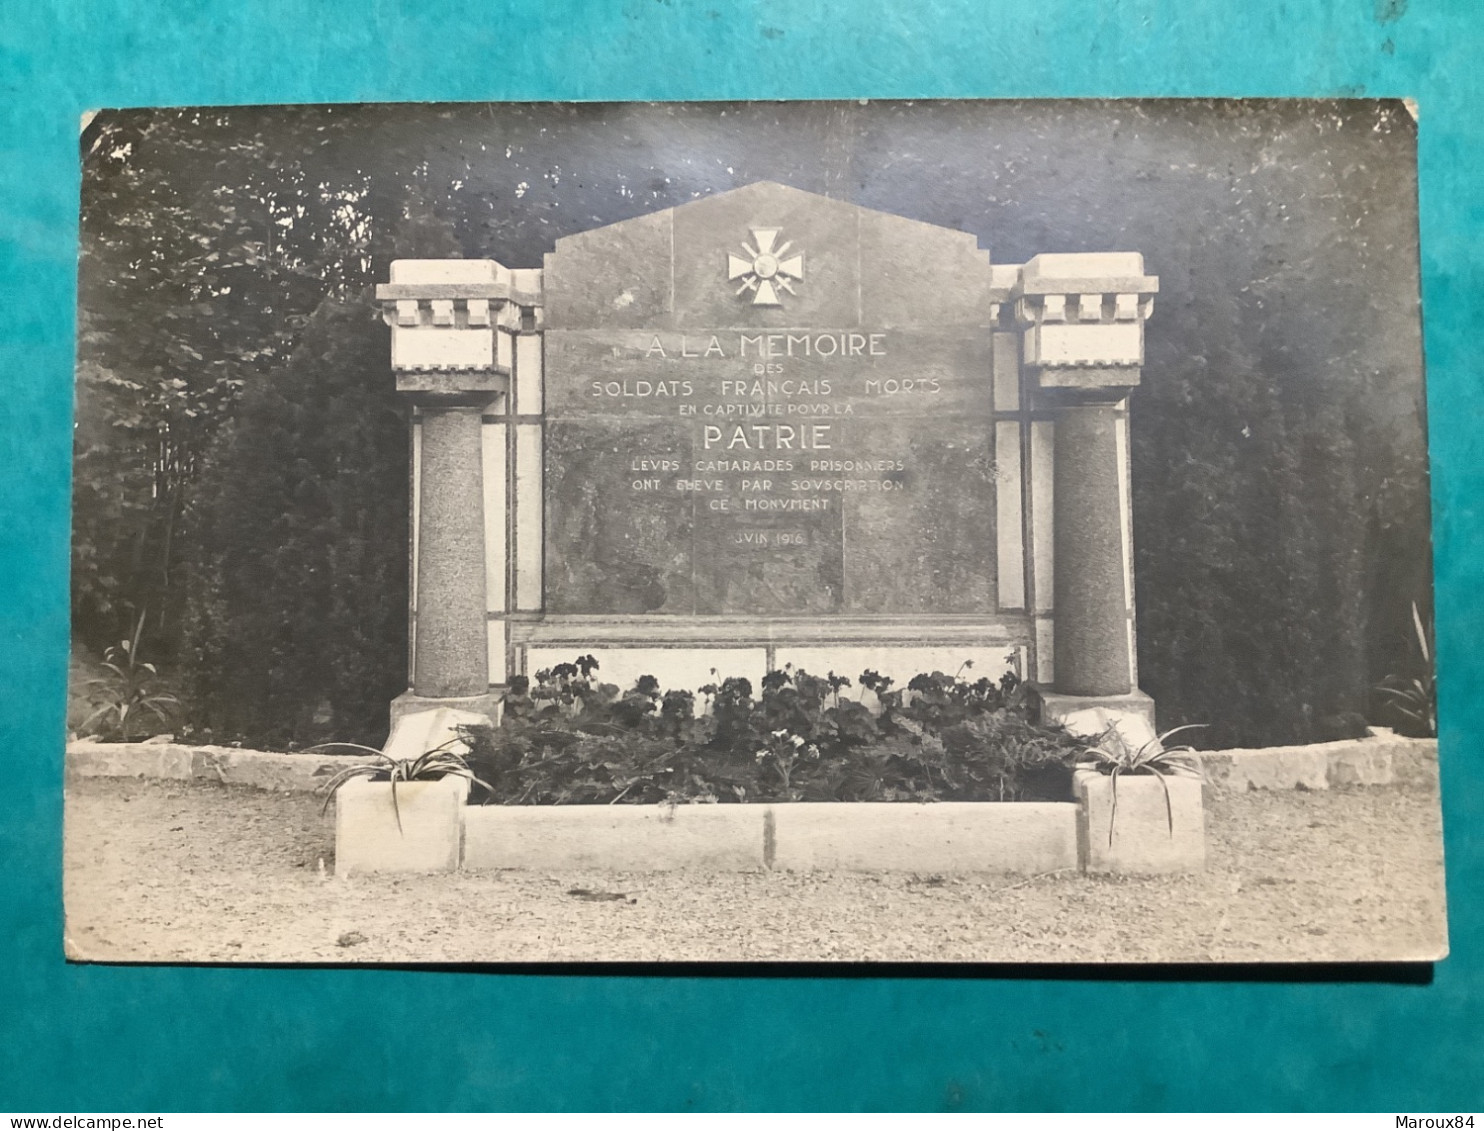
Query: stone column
(1082,325)
(443,315)
(451,651)
(1093,642)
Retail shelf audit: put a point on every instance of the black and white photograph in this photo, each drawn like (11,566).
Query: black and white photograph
(898,532)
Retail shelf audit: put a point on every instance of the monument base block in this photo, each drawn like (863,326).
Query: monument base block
(1090,715)
(420,829)
(1140,824)
(487,704)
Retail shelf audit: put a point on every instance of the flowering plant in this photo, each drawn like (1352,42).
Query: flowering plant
(787,735)
(784,750)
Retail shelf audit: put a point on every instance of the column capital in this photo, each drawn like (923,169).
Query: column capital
(1081,319)
(444,315)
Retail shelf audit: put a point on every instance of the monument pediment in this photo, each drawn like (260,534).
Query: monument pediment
(768,255)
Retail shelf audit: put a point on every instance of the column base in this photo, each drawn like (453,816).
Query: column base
(1088,716)
(488,704)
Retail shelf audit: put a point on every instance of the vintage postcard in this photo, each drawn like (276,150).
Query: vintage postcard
(877,531)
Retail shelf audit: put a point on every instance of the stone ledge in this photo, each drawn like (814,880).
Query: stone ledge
(1382,758)
(1018,837)
(170,761)
(1015,837)
(616,838)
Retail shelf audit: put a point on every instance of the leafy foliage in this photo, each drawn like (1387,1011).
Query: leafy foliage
(1279,469)
(573,739)
(295,617)
(130,690)
(205,246)
(1412,701)
(226,261)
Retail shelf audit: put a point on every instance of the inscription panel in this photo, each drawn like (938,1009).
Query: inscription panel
(771,442)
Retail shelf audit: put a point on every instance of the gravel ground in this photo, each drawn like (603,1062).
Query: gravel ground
(194,872)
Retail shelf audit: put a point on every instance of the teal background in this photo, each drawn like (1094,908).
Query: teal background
(85,1038)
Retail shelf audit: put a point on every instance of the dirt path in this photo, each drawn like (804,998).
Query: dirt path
(172,871)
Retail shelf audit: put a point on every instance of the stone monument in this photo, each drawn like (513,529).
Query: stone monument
(770,427)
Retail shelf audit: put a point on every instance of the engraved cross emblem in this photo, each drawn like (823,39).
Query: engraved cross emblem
(765,271)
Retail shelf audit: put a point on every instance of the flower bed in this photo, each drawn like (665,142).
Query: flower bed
(571,739)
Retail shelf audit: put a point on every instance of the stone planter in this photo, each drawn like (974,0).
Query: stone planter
(617,838)
(947,837)
(431,836)
(1142,842)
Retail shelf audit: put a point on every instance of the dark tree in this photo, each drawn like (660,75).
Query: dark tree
(297,623)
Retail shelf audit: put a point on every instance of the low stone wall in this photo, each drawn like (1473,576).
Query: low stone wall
(1022,837)
(226,764)
(622,838)
(1383,758)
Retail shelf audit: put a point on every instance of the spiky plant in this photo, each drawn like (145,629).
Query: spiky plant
(1112,754)
(129,688)
(1416,699)
(440,762)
